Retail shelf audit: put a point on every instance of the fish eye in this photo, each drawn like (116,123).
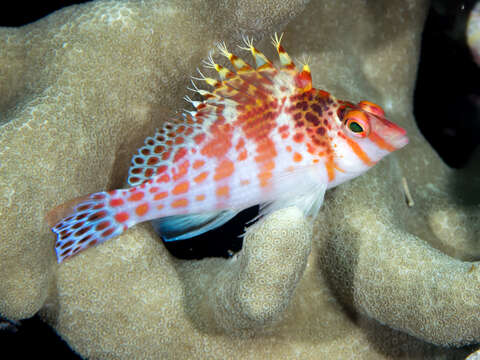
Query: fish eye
(356,123)
(355,127)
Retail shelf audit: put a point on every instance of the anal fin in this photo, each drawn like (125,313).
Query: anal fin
(181,227)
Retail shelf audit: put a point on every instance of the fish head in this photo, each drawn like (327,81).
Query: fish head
(365,136)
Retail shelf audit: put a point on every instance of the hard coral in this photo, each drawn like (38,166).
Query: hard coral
(100,77)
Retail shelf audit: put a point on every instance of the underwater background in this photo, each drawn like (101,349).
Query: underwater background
(447,90)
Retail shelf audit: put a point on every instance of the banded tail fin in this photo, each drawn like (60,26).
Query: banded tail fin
(92,222)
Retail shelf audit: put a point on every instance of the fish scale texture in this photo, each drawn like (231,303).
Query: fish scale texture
(381,281)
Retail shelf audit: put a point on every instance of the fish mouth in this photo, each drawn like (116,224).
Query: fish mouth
(399,141)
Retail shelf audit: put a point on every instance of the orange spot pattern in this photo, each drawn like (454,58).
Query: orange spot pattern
(136,196)
(223,191)
(141,210)
(180,188)
(122,216)
(180,203)
(160,196)
(200,178)
(224,170)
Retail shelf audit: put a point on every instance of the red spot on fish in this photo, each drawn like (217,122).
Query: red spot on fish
(180,154)
(98,215)
(160,196)
(122,216)
(180,203)
(179,140)
(66,245)
(136,196)
(106,233)
(283,128)
(152,160)
(223,191)
(242,156)
(163,179)
(82,231)
(182,170)
(141,210)
(158,149)
(134,179)
(166,155)
(198,179)
(93,242)
(223,170)
(198,163)
(180,188)
(240,144)
(148,172)
(199,138)
(102,225)
(154,189)
(298,137)
(84,207)
(78,225)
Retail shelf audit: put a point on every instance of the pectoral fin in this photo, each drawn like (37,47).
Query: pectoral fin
(181,227)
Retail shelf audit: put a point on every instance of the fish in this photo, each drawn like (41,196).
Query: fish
(261,135)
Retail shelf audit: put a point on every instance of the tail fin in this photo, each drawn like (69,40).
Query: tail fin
(92,222)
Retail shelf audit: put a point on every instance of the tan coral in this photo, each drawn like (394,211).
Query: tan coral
(100,77)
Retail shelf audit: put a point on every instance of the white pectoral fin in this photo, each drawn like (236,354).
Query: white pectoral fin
(181,227)
(309,202)
(304,188)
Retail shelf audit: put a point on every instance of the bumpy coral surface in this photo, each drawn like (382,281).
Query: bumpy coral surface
(375,277)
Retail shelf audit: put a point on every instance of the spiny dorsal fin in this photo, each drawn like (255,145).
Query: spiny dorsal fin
(246,95)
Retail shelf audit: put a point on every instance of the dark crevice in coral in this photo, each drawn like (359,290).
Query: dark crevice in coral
(221,242)
(447,94)
(32,338)
(18,13)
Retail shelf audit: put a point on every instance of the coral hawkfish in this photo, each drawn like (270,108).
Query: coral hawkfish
(262,135)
